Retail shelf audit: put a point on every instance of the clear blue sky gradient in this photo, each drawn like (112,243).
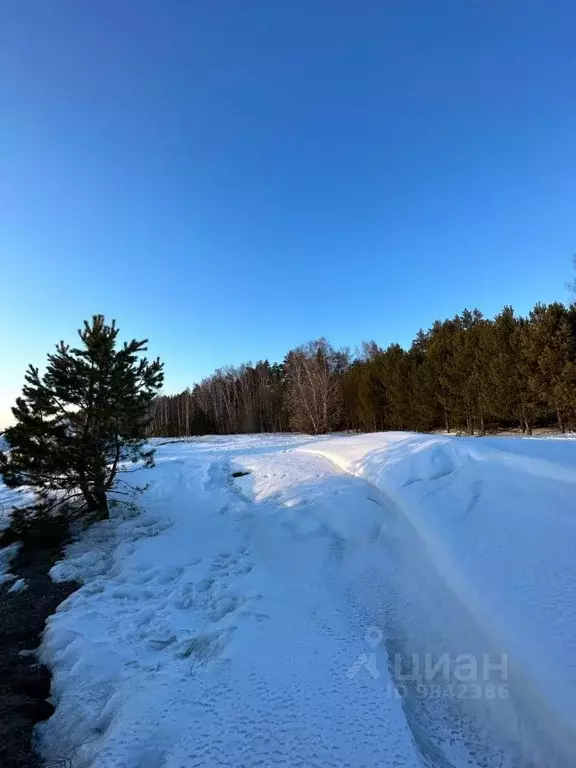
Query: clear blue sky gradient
(234,178)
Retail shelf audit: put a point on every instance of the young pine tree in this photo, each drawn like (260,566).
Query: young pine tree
(79,423)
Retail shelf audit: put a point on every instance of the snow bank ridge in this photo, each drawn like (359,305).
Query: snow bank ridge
(498,518)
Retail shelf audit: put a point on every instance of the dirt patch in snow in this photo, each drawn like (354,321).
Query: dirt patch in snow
(25,684)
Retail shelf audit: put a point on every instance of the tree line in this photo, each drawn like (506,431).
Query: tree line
(468,373)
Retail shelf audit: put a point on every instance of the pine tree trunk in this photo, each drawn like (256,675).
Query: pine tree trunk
(101,508)
(561,426)
(89,499)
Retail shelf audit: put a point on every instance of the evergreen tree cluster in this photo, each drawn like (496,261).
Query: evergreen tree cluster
(468,373)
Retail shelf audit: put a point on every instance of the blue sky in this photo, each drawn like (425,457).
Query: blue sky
(233,178)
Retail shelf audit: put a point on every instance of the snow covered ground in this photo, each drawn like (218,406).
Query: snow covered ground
(11,498)
(375,600)
(6,555)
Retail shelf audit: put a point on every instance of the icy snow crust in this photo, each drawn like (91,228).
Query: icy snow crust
(256,620)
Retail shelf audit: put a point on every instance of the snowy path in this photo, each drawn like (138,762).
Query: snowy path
(257,620)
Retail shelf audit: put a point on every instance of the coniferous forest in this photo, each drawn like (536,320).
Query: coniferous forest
(468,374)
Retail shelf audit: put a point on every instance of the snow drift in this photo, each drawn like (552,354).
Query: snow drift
(498,518)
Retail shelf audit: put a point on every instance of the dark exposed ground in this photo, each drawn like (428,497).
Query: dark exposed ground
(24,684)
